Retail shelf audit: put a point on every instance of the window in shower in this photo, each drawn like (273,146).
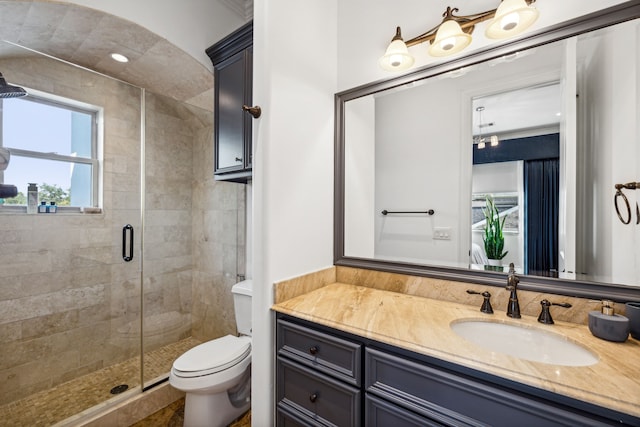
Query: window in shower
(53,142)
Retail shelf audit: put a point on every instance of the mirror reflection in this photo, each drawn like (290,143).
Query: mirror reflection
(543,134)
(516,170)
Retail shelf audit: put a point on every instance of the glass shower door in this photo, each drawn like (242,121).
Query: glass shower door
(171,131)
(69,303)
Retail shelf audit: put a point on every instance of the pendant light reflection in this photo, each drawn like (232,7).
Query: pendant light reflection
(10,91)
(480,141)
(454,33)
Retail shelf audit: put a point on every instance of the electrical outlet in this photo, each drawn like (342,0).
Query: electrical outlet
(442,233)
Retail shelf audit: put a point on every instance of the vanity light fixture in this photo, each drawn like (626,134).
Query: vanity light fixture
(453,34)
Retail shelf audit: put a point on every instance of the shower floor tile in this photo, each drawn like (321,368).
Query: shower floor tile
(48,407)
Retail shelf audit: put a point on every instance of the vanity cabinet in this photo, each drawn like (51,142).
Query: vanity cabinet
(446,397)
(327,377)
(233,76)
(318,378)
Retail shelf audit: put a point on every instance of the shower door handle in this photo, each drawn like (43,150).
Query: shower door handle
(127,228)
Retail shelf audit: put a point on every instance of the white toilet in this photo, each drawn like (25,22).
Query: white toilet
(216,375)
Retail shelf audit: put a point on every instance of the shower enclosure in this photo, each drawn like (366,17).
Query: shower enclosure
(96,301)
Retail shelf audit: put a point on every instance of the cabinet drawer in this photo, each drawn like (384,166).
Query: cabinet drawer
(289,417)
(459,400)
(333,356)
(379,413)
(319,398)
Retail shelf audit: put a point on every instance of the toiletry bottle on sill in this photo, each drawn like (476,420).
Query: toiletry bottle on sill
(42,208)
(32,198)
(53,208)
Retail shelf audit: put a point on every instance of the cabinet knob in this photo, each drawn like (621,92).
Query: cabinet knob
(238,159)
(313,350)
(313,397)
(254,111)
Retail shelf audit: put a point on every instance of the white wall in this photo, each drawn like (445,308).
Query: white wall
(295,77)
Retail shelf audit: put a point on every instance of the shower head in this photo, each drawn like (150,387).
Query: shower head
(10,91)
(8,191)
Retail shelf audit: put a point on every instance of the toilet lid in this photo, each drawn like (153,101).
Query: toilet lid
(212,356)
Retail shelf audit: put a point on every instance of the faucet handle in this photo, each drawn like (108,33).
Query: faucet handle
(486,304)
(545,314)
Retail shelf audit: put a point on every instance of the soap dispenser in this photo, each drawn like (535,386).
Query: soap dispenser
(607,325)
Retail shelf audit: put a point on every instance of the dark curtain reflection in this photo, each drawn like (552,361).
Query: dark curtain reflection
(541,207)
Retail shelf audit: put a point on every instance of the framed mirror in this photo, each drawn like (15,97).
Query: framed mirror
(542,128)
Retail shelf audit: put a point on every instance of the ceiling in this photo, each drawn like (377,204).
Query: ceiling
(532,107)
(87,37)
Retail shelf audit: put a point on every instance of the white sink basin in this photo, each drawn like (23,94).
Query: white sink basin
(523,342)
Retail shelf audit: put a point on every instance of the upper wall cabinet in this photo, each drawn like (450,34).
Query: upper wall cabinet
(233,74)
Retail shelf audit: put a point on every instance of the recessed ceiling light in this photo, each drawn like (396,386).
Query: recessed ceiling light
(119,57)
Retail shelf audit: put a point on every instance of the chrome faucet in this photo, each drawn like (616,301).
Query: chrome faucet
(513,308)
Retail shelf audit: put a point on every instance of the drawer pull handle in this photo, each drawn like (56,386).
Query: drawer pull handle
(313,397)
(313,350)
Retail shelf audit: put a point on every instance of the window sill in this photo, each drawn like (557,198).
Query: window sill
(62,210)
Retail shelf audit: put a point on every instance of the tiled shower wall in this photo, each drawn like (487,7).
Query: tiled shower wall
(218,244)
(68,303)
(194,228)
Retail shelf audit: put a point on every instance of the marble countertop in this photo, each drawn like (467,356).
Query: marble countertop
(422,325)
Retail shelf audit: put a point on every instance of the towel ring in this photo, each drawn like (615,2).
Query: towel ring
(626,202)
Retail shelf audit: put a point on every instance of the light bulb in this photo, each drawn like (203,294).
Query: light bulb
(510,21)
(448,43)
(395,60)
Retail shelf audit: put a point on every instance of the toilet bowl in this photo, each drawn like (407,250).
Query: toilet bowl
(216,375)
(216,378)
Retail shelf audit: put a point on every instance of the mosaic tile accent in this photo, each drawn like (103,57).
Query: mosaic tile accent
(48,407)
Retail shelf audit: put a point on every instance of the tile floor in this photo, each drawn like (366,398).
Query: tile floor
(48,407)
(173,416)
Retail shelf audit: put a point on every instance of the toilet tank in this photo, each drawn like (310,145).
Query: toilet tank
(242,293)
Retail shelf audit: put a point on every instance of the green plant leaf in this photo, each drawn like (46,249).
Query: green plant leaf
(493,233)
